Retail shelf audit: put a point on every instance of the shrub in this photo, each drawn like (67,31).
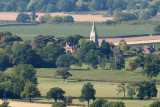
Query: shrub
(45,18)
(157,29)
(99,103)
(115,104)
(23,17)
(68,100)
(58,104)
(110,22)
(55,19)
(132,66)
(119,17)
(67,19)
(4,104)
(155,104)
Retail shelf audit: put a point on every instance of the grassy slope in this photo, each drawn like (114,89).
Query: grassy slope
(101,75)
(69,29)
(103,89)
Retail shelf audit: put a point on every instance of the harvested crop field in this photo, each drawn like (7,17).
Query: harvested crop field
(134,40)
(77,17)
(26,104)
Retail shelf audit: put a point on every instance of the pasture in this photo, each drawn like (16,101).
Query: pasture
(28,32)
(105,82)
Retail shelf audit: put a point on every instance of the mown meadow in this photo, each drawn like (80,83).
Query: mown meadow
(105,82)
(28,32)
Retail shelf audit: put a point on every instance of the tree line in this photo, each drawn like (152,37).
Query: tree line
(49,52)
(71,5)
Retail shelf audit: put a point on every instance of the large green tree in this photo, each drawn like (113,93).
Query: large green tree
(91,58)
(4,62)
(140,60)
(151,69)
(23,74)
(24,54)
(63,72)
(105,49)
(56,93)
(50,54)
(41,41)
(87,93)
(23,17)
(65,61)
(30,91)
(146,90)
(131,90)
(121,88)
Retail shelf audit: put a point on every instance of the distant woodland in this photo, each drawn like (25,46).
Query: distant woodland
(75,5)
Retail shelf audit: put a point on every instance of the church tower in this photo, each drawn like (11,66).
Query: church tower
(94,35)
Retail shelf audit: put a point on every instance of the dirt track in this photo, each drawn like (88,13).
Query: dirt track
(77,17)
(134,40)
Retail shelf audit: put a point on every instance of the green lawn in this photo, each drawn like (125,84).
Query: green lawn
(73,88)
(68,29)
(99,75)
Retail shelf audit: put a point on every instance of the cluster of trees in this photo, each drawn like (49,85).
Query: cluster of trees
(147,11)
(21,83)
(56,19)
(149,63)
(49,52)
(72,5)
(143,90)
(24,17)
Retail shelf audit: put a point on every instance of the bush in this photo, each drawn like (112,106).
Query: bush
(58,104)
(67,19)
(99,103)
(45,18)
(55,19)
(155,104)
(23,17)
(68,100)
(157,29)
(4,104)
(119,17)
(110,22)
(115,104)
(132,66)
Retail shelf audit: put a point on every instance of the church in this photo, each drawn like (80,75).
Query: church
(94,35)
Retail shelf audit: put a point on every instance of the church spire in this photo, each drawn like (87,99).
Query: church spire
(94,35)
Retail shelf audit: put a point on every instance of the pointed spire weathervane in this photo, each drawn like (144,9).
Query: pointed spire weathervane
(94,35)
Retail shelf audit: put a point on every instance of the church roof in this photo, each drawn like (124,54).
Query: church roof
(94,34)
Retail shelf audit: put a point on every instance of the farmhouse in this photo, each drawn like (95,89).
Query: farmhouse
(148,49)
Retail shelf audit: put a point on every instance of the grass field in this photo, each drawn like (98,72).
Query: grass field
(108,89)
(99,75)
(69,29)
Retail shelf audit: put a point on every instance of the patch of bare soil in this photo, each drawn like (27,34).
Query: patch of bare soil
(77,17)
